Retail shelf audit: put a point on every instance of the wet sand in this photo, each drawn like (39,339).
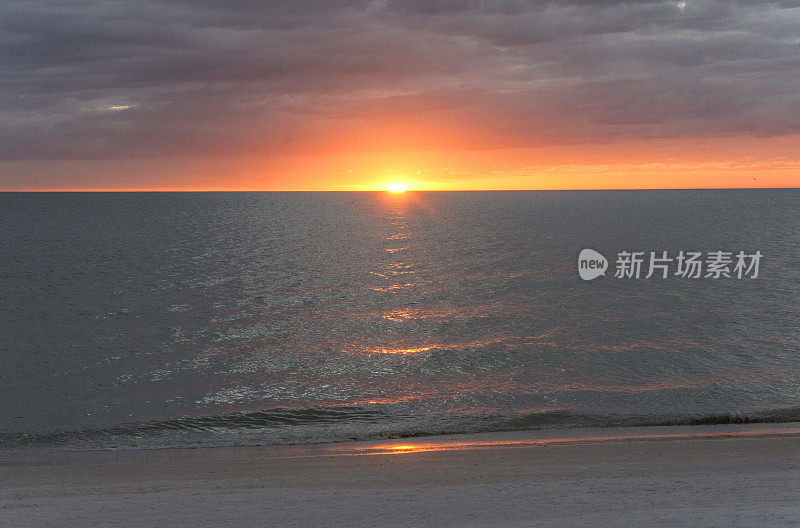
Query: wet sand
(714,476)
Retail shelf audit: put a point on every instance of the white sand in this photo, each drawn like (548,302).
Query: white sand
(749,479)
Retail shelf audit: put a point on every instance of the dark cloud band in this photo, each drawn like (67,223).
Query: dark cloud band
(122,79)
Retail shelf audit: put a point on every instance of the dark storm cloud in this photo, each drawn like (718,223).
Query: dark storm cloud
(110,79)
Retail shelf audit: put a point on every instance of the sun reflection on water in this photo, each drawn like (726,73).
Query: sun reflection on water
(392,268)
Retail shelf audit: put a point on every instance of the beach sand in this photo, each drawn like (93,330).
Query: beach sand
(713,476)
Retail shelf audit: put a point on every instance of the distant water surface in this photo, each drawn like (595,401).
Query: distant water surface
(202,319)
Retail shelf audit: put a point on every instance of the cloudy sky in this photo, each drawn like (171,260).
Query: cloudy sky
(353,94)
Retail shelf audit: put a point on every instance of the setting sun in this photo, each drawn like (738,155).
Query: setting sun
(396,187)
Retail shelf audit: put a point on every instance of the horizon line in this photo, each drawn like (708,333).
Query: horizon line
(231,190)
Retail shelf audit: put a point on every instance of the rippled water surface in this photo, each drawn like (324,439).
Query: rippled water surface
(162,320)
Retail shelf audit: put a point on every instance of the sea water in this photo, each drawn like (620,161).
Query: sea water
(221,319)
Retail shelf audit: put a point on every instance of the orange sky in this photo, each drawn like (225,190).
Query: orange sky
(675,163)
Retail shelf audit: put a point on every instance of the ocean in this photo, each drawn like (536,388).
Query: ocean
(157,320)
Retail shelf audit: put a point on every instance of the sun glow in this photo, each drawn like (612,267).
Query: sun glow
(396,187)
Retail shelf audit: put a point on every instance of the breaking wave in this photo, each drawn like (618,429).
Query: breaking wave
(360,422)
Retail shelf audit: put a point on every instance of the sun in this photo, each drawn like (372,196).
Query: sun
(396,187)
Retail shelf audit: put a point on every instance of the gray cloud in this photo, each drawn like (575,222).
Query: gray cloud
(90,80)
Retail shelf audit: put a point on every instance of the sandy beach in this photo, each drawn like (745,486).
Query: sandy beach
(714,476)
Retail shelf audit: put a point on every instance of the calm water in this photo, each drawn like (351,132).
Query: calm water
(269,318)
